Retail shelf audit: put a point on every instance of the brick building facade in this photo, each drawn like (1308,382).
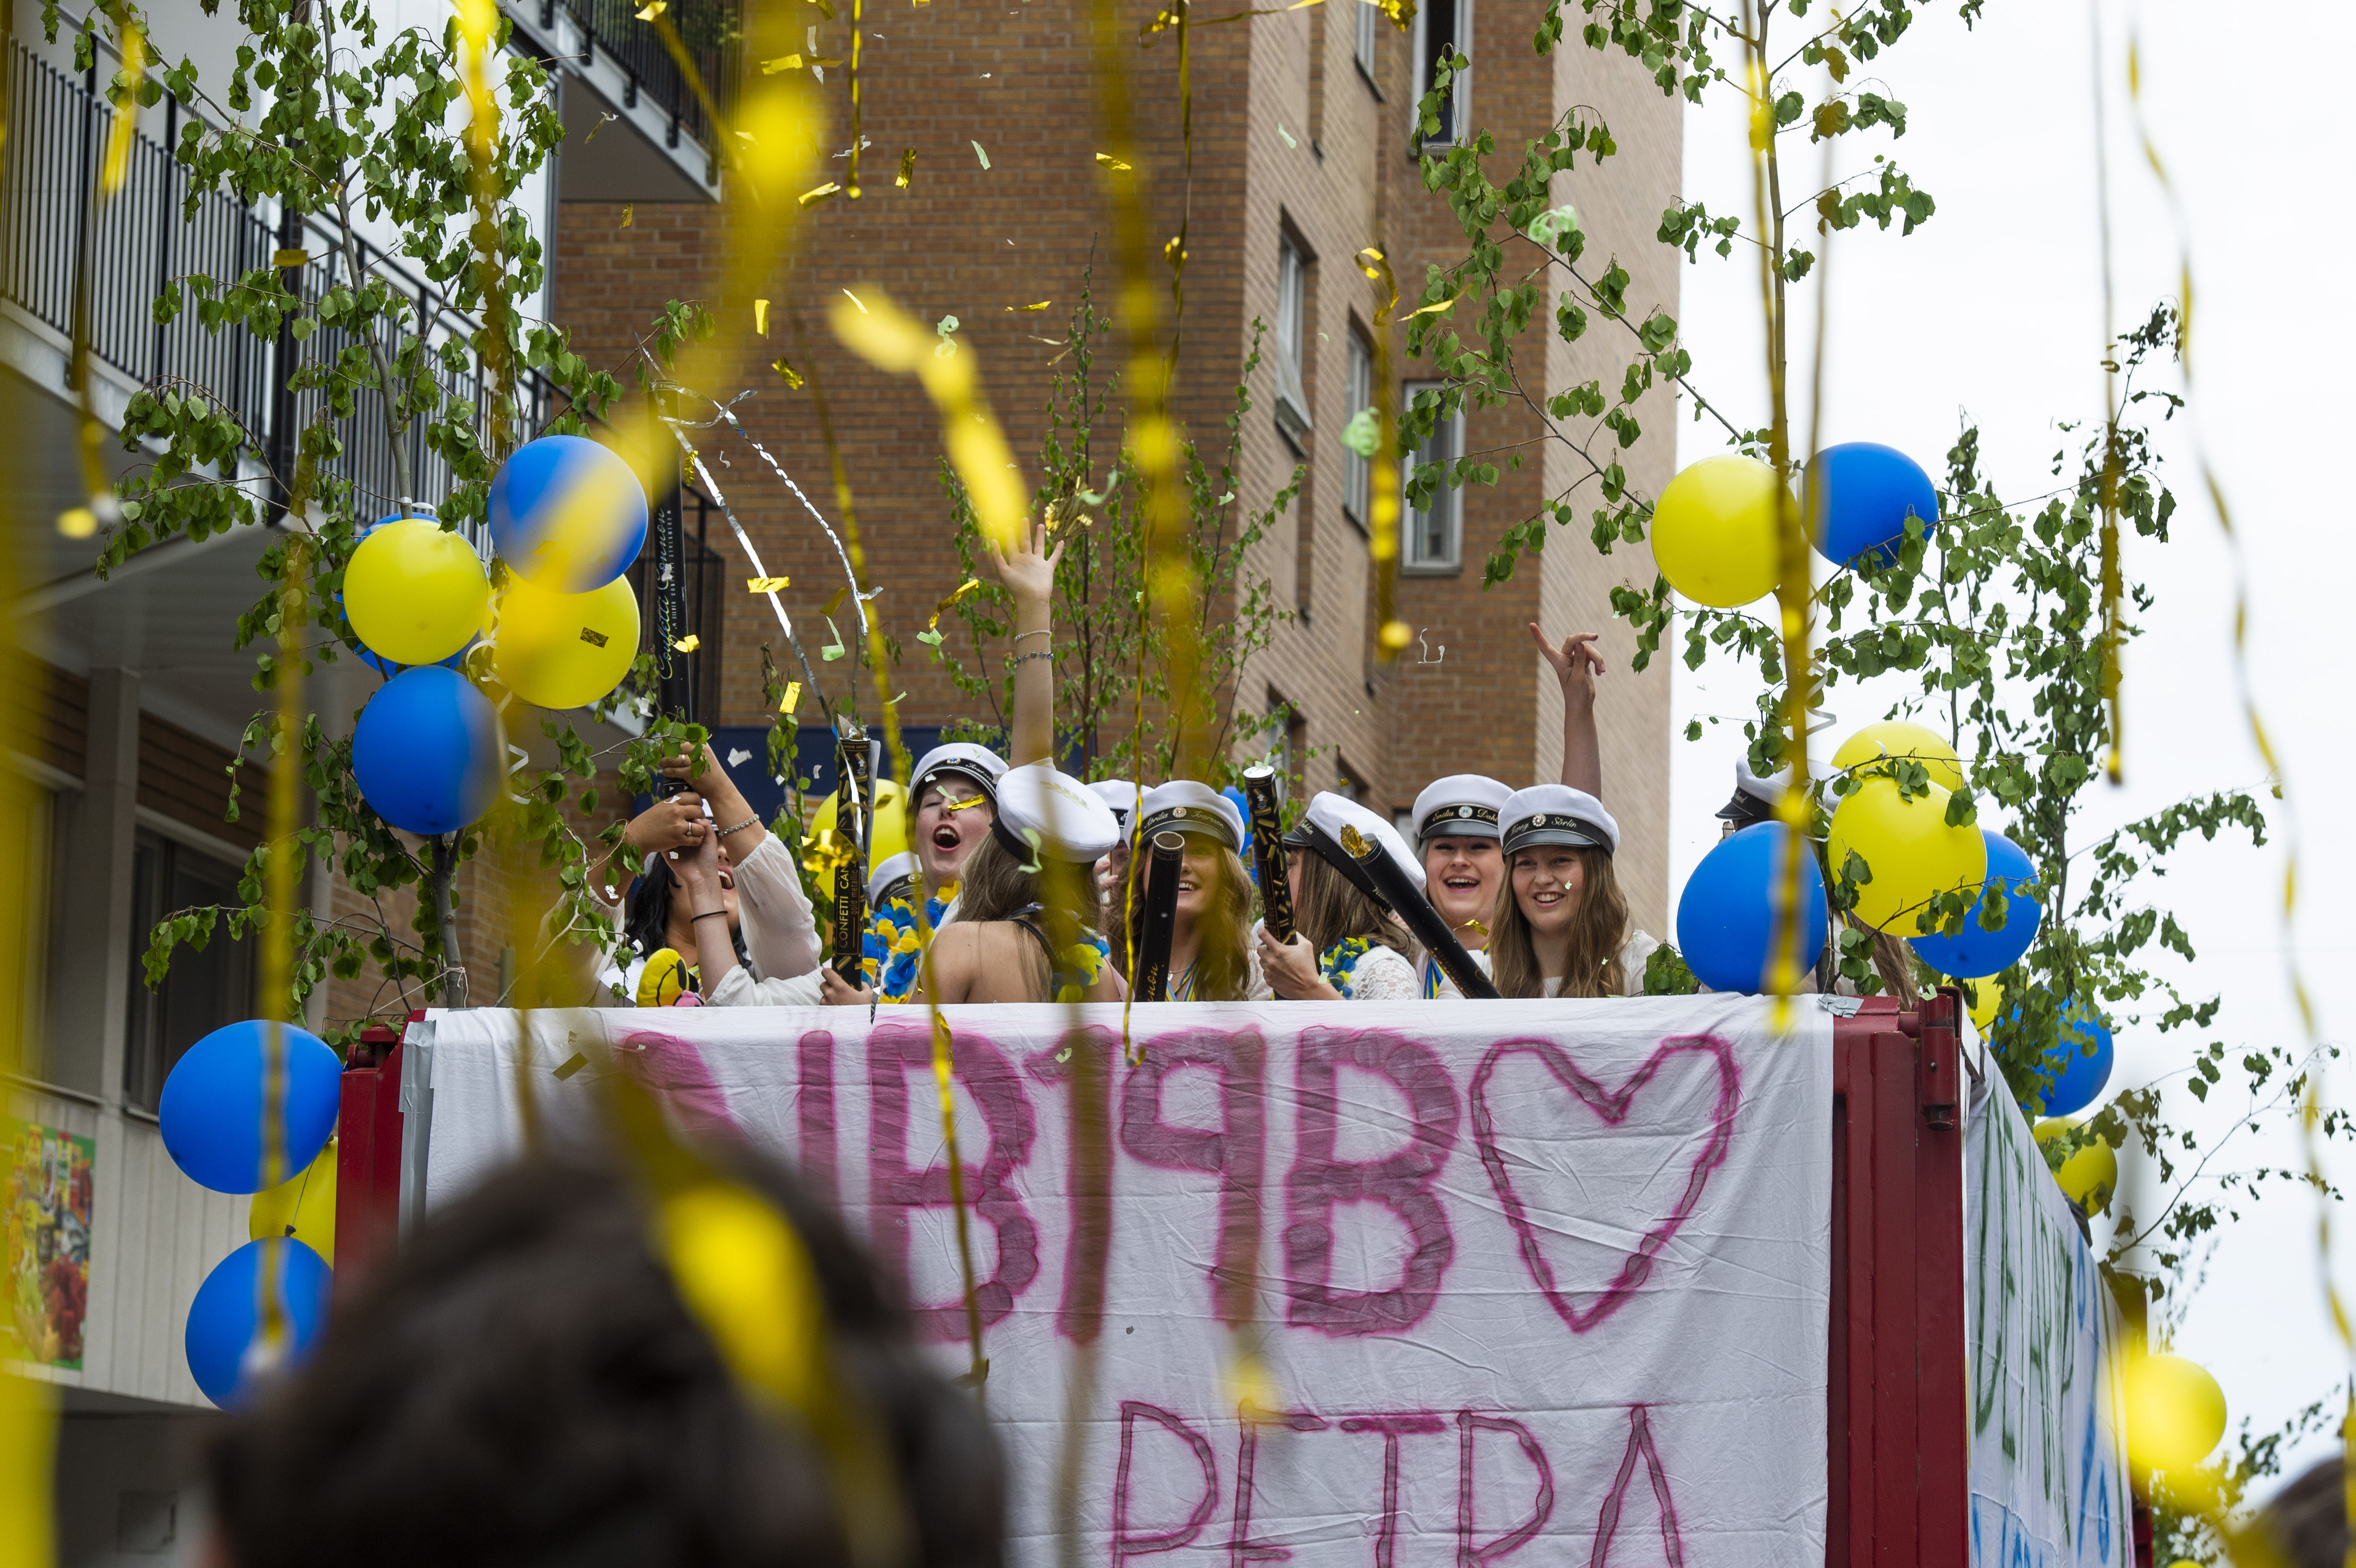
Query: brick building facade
(1300,142)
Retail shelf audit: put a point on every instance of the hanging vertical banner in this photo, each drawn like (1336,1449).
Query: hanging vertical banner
(48,1189)
(1544,1282)
(2048,1479)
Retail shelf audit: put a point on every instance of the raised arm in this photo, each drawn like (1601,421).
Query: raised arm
(781,930)
(1576,664)
(699,879)
(1029,573)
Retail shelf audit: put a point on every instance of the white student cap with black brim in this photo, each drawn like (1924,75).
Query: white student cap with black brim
(1050,812)
(885,882)
(1187,807)
(1557,813)
(1320,832)
(965,759)
(1462,805)
(1118,793)
(1755,797)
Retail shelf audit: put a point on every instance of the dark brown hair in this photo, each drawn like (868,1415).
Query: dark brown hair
(1599,928)
(522,1383)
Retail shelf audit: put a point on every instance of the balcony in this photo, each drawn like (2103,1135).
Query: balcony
(169,610)
(601,45)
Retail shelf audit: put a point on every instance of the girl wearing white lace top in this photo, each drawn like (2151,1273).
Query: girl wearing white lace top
(1345,945)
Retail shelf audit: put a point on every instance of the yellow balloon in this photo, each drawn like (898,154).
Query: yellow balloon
(565,650)
(2088,1177)
(1714,531)
(1907,845)
(890,835)
(1985,997)
(1898,738)
(303,1207)
(2176,1413)
(413,593)
(2052,1127)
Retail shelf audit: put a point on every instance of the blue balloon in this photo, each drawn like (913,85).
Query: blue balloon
(386,667)
(227,1313)
(1866,492)
(535,489)
(1725,917)
(428,752)
(1975,953)
(211,1109)
(2078,1078)
(1243,804)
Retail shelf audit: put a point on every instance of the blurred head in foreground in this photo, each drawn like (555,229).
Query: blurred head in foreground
(523,1384)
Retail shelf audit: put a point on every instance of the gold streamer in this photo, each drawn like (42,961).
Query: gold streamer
(1382,486)
(2311,1104)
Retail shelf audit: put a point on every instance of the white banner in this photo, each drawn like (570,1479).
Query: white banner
(1540,1281)
(2049,1468)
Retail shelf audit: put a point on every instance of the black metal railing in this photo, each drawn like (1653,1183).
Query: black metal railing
(141,241)
(708,31)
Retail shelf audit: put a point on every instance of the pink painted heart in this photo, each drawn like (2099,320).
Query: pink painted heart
(1708,1127)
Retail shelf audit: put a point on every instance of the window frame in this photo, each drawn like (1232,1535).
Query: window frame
(1369,16)
(1460,94)
(149,1054)
(1448,496)
(1358,473)
(1292,402)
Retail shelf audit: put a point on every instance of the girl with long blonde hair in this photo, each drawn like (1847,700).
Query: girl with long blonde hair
(1561,927)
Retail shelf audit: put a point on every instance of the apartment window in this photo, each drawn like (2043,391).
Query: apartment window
(1441,26)
(203,990)
(1435,529)
(1357,473)
(1347,783)
(1368,15)
(1295,761)
(28,815)
(1291,330)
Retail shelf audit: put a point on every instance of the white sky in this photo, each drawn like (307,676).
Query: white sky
(1994,308)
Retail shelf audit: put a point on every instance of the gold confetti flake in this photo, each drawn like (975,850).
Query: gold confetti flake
(647,13)
(793,698)
(767,585)
(689,643)
(783,63)
(907,161)
(1041,305)
(78,523)
(572,1064)
(835,603)
(1436,307)
(289,258)
(761,316)
(1111,162)
(793,377)
(817,194)
(629,211)
(855,300)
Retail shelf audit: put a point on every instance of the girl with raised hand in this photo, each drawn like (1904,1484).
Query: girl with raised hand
(1346,945)
(952,794)
(1561,926)
(1211,956)
(1020,933)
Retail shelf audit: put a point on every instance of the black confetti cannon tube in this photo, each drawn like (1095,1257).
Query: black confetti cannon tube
(851,812)
(1267,853)
(1408,902)
(1163,863)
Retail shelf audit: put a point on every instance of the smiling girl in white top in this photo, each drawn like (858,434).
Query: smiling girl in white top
(1561,926)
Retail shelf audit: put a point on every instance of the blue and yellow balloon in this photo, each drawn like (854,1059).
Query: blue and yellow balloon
(567,515)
